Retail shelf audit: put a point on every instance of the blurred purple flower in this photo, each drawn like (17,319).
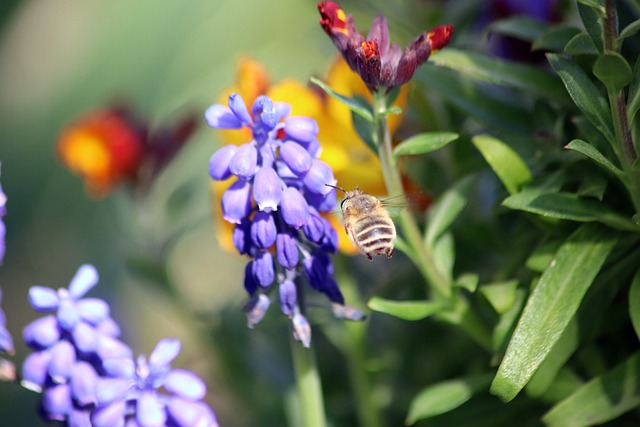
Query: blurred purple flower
(150,392)
(3,230)
(275,201)
(70,344)
(87,376)
(512,48)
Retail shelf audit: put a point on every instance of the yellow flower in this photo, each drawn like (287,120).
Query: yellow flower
(353,163)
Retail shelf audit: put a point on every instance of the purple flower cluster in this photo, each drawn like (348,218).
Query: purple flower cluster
(6,342)
(275,201)
(75,347)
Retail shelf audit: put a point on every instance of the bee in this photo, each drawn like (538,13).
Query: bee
(367,223)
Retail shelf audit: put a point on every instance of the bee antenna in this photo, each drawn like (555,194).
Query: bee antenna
(336,187)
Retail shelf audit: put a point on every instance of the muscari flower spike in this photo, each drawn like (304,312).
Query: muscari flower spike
(151,393)
(379,62)
(275,203)
(70,344)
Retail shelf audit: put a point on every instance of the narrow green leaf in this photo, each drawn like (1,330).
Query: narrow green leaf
(444,254)
(445,211)
(505,162)
(630,30)
(546,374)
(507,322)
(523,77)
(443,397)
(633,101)
(424,143)
(592,3)
(540,259)
(634,303)
(468,281)
(612,70)
(591,152)
(585,94)
(500,295)
(602,399)
(407,310)
(570,207)
(365,130)
(476,100)
(358,107)
(591,12)
(555,39)
(520,27)
(552,305)
(581,44)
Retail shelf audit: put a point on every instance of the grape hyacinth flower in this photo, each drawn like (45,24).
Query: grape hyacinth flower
(70,344)
(275,202)
(131,392)
(379,62)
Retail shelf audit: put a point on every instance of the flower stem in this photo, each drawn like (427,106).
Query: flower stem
(619,111)
(353,345)
(308,385)
(424,260)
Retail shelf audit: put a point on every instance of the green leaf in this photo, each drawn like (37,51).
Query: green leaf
(365,130)
(633,100)
(520,27)
(444,254)
(468,281)
(555,39)
(542,256)
(476,99)
(523,77)
(445,211)
(634,303)
(585,94)
(602,399)
(358,107)
(551,306)
(570,207)
(505,162)
(443,397)
(612,70)
(407,310)
(507,322)
(424,143)
(546,374)
(591,12)
(500,295)
(581,44)
(630,30)
(591,152)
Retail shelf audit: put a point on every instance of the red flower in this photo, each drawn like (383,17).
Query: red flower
(379,62)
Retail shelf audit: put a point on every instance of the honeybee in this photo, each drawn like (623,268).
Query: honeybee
(367,223)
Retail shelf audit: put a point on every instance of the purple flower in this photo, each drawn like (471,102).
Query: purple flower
(3,230)
(6,341)
(278,197)
(151,393)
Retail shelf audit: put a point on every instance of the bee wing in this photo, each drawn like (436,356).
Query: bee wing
(396,204)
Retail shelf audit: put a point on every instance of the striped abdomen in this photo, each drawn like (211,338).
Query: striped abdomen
(374,234)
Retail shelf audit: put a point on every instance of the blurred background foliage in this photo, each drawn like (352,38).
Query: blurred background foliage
(168,58)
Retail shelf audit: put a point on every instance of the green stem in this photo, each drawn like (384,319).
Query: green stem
(393,182)
(353,345)
(308,385)
(618,107)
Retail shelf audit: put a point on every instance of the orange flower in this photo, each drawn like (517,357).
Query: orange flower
(110,146)
(104,148)
(353,163)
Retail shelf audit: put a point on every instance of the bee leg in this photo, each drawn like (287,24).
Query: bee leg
(369,256)
(389,253)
